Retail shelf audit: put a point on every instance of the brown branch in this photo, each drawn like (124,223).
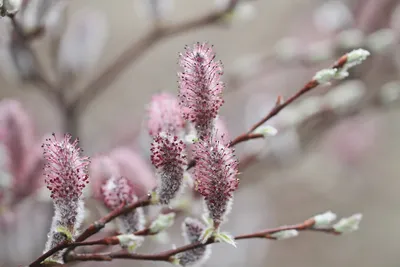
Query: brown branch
(137,49)
(100,224)
(280,105)
(40,79)
(93,229)
(167,256)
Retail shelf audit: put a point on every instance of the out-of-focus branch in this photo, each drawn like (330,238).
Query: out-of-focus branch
(137,49)
(40,79)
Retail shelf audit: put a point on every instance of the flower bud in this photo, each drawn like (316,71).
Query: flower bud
(117,191)
(324,219)
(162,222)
(266,130)
(130,241)
(325,76)
(285,234)
(349,224)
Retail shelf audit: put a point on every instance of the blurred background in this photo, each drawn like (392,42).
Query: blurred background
(89,68)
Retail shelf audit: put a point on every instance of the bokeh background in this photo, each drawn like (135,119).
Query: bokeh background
(337,147)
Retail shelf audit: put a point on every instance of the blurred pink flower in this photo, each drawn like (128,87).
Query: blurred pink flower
(23,153)
(120,190)
(165,115)
(122,161)
(101,169)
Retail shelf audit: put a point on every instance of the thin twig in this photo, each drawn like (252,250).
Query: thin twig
(93,229)
(137,49)
(98,225)
(167,256)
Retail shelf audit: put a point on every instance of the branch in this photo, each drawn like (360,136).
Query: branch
(280,105)
(167,256)
(137,49)
(93,229)
(100,224)
(40,79)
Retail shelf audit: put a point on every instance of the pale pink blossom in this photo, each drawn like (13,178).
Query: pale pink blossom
(200,87)
(164,115)
(215,174)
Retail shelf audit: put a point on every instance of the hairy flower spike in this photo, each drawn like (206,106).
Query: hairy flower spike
(168,156)
(216,173)
(200,87)
(192,230)
(118,191)
(66,176)
(65,170)
(165,115)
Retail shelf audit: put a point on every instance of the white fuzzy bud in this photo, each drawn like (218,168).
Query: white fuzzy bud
(324,219)
(162,222)
(325,76)
(130,241)
(349,224)
(356,57)
(266,130)
(285,234)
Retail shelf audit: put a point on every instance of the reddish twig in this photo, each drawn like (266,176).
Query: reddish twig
(40,80)
(93,229)
(98,225)
(137,49)
(167,256)
(280,105)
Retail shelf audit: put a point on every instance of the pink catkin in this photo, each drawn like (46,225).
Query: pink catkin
(200,87)
(120,190)
(192,230)
(66,176)
(215,173)
(18,137)
(164,115)
(65,169)
(168,157)
(101,168)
